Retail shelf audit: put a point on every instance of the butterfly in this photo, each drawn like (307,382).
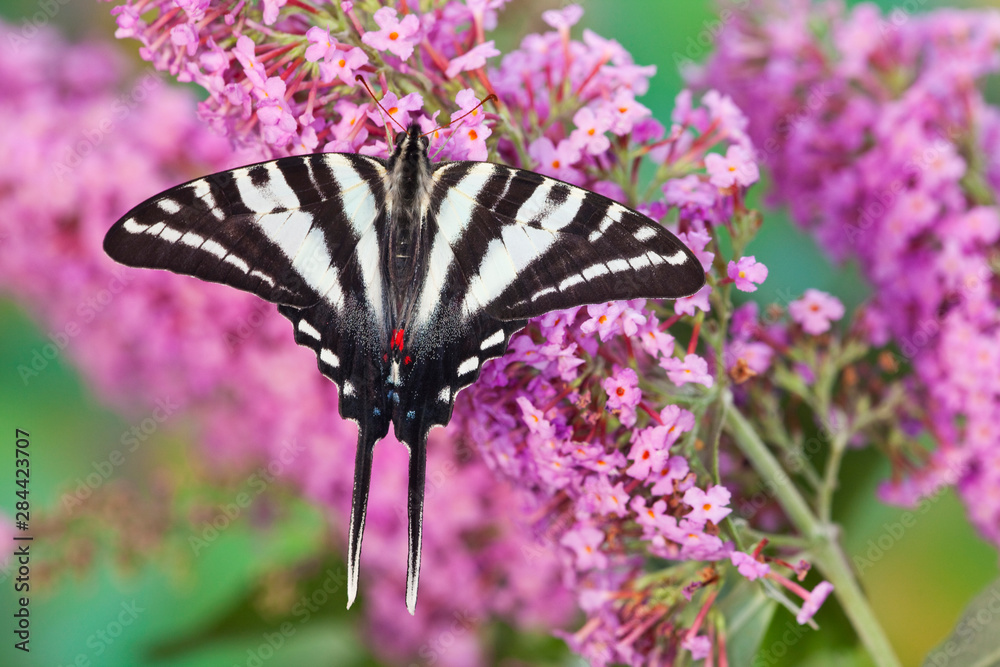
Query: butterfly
(403,276)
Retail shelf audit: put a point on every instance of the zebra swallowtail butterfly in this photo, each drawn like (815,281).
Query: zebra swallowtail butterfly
(403,275)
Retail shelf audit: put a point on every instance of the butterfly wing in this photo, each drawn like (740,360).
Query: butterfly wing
(535,244)
(300,232)
(508,245)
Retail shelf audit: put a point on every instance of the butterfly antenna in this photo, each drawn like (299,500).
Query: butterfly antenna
(364,83)
(486,99)
(446,141)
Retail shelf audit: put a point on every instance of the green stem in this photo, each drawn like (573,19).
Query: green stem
(829,557)
(837,448)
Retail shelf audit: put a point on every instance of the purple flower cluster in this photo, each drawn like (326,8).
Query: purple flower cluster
(281,77)
(86,154)
(585,412)
(881,144)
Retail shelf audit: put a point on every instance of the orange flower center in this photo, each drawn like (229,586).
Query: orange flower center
(394,35)
(472,135)
(591,131)
(555,164)
(620,391)
(393,110)
(342,62)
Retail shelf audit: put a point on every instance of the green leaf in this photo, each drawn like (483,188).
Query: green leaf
(748,614)
(973,641)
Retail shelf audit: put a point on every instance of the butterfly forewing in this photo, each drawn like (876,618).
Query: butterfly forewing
(537,244)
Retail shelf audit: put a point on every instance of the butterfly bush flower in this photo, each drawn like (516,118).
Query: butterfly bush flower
(888,110)
(815,311)
(633,506)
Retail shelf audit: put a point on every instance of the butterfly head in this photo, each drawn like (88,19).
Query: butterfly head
(410,143)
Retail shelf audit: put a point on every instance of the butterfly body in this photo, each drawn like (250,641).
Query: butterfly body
(403,275)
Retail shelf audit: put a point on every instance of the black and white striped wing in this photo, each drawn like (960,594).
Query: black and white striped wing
(508,245)
(527,244)
(300,232)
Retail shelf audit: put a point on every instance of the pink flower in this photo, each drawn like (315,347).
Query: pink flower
(564,18)
(692,369)
(624,112)
(697,241)
(320,44)
(697,301)
(748,566)
(535,418)
(467,101)
(397,37)
(252,67)
(655,341)
(185,35)
(747,273)
(736,168)
(707,506)
(699,645)
(649,453)
(470,142)
(585,542)
(653,518)
(474,58)
(398,108)
(814,601)
(555,160)
(815,310)
(623,393)
(342,65)
(589,135)
(603,319)
(674,469)
(271,9)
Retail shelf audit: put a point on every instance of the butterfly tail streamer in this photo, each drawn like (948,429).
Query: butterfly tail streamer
(359,508)
(415,516)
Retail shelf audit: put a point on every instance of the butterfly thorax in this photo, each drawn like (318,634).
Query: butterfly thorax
(408,190)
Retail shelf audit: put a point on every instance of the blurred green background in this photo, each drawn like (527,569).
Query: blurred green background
(93,605)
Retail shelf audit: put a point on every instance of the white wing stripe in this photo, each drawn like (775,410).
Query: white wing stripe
(330,359)
(618,265)
(644,234)
(594,270)
(170,235)
(467,366)
(677,258)
(169,206)
(192,240)
(309,330)
(496,272)
(494,339)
